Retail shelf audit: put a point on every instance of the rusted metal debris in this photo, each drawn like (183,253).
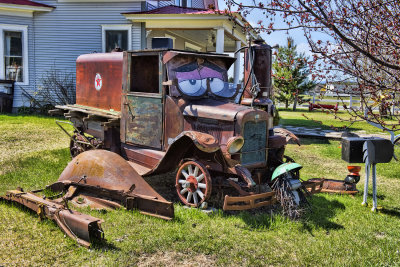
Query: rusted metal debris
(250,201)
(334,186)
(83,228)
(346,186)
(290,137)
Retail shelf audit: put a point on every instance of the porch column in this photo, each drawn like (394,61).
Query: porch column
(219,48)
(236,67)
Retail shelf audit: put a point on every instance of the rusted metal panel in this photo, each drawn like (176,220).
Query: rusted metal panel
(81,227)
(106,170)
(249,202)
(146,157)
(213,109)
(90,111)
(276,141)
(105,174)
(220,130)
(186,145)
(330,186)
(144,121)
(99,80)
(173,122)
(262,69)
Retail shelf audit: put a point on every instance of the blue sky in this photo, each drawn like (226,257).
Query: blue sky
(278,37)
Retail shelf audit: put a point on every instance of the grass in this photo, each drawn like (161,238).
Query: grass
(324,120)
(22,135)
(338,231)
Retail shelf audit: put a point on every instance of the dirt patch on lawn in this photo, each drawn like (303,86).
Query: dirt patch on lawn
(172,258)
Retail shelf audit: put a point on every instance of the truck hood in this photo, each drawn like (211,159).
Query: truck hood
(213,109)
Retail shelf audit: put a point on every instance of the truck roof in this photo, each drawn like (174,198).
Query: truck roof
(183,52)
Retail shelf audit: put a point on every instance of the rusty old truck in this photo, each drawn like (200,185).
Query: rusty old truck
(170,110)
(142,113)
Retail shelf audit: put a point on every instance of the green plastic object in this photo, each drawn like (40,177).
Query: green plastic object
(284,168)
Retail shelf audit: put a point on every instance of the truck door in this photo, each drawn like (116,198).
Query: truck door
(142,116)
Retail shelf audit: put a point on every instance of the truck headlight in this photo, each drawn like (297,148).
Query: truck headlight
(234,144)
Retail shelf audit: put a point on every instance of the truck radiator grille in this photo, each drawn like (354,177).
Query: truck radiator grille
(255,142)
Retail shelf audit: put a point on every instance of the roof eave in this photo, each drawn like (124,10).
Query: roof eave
(138,17)
(26,8)
(217,16)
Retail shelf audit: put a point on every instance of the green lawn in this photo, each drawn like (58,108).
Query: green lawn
(338,231)
(325,120)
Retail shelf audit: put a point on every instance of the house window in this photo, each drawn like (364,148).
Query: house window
(183,3)
(116,39)
(13,53)
(117,36)
(13,58)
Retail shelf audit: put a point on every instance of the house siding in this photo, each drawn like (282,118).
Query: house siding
(70,30)
(198,4)
(23,21)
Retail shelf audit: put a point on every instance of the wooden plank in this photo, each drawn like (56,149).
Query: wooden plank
(91,111)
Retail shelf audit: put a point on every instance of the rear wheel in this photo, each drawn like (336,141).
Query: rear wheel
(74,147)
(397,149)
(80,144)
(193,183)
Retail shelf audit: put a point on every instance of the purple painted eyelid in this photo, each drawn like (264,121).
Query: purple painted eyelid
(190,75)
(198,75)
(210,73)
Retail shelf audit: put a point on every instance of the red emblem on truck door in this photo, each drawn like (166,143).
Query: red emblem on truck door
(98,82)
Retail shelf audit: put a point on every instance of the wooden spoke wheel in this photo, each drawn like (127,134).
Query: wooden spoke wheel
(193,183)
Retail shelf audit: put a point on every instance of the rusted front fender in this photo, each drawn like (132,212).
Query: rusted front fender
(204,142)
(182,147)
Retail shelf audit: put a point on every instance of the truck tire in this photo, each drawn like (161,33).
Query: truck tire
(193,183)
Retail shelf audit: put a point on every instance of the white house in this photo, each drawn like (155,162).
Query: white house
(41,35)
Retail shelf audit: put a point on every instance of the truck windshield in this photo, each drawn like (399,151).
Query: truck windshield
(196,80)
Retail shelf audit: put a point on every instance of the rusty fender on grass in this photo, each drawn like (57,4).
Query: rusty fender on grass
(103,179)
(83,228)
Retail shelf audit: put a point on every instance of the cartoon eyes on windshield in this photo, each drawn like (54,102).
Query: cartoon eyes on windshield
(195,80)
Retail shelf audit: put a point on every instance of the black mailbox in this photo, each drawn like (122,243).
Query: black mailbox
(352,149)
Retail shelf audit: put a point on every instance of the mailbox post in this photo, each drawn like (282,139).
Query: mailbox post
(371,150)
